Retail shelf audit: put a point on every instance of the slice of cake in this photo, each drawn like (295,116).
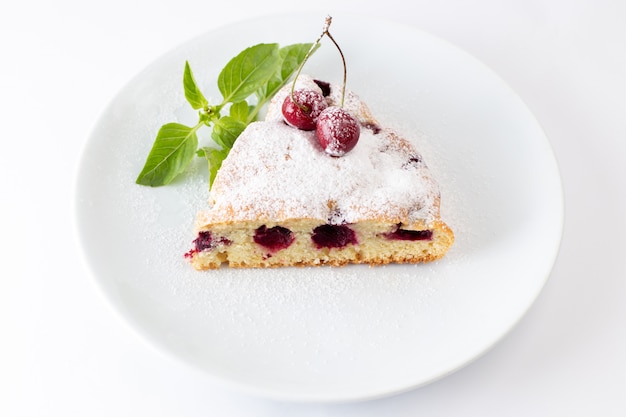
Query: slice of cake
(280,200)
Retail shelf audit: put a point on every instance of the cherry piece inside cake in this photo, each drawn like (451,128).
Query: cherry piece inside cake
(281,199)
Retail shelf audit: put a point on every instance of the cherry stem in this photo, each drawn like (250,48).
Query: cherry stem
(315,45)
(345,71)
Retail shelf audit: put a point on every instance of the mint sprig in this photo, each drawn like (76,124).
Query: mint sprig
(246,83)
(192,92)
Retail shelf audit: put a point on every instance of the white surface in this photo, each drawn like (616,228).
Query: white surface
(325,334)
(65,352)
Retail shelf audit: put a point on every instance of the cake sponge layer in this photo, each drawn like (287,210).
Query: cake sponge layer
(368,242)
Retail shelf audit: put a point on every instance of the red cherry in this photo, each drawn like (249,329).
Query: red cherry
(333,236)
(304,111)
(274,238)
(337,131)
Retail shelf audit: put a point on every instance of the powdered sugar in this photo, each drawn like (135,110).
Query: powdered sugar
(277,172)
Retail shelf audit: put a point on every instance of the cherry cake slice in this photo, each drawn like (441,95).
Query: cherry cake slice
(280,199)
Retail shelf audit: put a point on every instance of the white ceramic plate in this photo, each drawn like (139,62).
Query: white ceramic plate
(327,334)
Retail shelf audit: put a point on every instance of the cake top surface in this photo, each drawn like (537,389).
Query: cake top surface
(275,172)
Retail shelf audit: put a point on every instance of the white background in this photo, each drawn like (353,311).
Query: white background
(65,352)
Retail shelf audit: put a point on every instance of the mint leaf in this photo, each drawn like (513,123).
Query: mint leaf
(291,57)
(248,72)
(240,111)
(226,130)
(260,70)
(171,153)
(192,93)
(214,157)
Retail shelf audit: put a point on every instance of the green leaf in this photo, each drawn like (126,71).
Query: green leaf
(192,93)
(214,157)
(171,153)
(248,72)
(261,69)
(291,57)
(226,130)
(240,111)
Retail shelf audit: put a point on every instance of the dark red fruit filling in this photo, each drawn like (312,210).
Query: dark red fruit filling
(275,238)
(333,236)
(402,234)
(337,131)
(373,127)
(324,86)
(414,161)
(303,108)
(205,242)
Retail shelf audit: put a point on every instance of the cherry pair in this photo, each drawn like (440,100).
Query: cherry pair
(337,130)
